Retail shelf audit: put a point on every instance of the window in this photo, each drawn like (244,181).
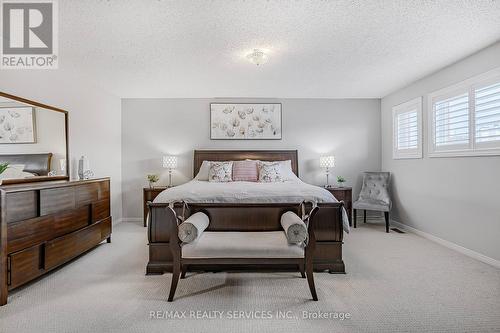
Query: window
(487,115)
(451,121)
(464,119)
(407,129)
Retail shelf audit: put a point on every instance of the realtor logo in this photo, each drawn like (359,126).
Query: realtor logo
(29,34)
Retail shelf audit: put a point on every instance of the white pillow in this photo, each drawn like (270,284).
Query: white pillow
(286,171)
(203,172)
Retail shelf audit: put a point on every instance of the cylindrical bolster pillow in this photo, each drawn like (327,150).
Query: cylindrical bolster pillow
(295,229)
(193,227)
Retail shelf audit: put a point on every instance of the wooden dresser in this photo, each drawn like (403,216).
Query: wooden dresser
(44,225)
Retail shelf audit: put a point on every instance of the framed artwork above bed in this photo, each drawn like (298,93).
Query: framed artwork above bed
(245,121)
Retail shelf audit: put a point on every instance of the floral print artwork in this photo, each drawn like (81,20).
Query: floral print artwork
(245,121)
(17,125)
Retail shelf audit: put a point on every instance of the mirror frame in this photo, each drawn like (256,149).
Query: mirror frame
(41,178)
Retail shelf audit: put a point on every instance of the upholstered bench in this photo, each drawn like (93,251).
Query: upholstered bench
(233,244)
(244,248)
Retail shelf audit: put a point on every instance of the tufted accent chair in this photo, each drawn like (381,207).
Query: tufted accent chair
(374,195)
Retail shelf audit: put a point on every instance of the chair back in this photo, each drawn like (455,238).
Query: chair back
(376,186)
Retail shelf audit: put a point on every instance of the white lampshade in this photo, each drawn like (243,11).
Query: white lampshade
(170,161)
(327,161)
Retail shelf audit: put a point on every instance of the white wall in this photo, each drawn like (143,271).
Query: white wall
(456,199)
(94,120)
(349,129)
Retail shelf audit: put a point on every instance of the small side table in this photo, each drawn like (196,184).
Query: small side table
(343,194)
(149,194)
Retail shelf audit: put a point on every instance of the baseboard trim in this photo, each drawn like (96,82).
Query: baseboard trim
(132,219)
(468,252)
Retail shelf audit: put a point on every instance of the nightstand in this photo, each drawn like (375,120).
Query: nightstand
(149,194)
(343,194)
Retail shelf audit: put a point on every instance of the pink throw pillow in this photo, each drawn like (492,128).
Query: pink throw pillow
(245,171)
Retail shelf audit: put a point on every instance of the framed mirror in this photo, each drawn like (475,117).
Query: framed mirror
(33,141)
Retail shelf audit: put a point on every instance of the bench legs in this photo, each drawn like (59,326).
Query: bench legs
(302,269)
(184,270)
(176,272)
(386,214)
(180,272)
(310,279)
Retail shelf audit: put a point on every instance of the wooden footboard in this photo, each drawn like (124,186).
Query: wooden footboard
(246,217)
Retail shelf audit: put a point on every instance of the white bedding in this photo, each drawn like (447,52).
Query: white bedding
(197,191)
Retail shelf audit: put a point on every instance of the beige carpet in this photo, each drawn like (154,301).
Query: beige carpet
(395,283)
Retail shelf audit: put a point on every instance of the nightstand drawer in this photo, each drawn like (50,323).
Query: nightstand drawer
(339,195)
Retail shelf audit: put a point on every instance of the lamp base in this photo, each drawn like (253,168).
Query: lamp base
(328,186)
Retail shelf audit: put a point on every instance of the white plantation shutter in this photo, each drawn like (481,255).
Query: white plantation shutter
(407,129)
(464,119)
(487,113)
(451,121)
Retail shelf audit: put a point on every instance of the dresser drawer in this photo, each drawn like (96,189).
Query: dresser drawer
(22,205)
(104,191)
(22,234)
(65,248)
(100,210)
(86,194)
(25,265)
(56,200)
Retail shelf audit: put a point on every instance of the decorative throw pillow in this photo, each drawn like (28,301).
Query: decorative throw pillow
(270,172)
(245,171)
(286,170)
(220,172)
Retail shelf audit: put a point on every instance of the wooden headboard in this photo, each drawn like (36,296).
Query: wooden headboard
(238,155)
(38,164)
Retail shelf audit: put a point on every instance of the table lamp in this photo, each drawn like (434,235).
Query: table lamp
(170,162)
(327,162)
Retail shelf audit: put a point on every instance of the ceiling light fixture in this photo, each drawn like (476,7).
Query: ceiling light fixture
(257,57)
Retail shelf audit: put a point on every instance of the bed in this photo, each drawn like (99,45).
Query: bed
(247,206)
(34,164)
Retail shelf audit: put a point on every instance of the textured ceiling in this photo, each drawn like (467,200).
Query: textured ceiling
(331,49)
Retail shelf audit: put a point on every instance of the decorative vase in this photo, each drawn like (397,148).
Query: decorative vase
(83,167)
(341,184)
(151,185)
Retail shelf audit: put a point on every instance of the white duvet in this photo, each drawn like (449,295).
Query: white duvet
(197,191)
